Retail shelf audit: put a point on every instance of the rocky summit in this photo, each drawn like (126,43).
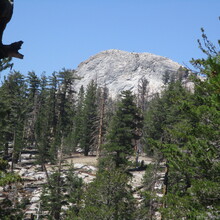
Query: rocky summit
(119,70)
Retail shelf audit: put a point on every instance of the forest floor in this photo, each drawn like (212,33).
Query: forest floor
(80,158)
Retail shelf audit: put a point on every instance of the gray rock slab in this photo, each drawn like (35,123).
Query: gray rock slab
(121,70)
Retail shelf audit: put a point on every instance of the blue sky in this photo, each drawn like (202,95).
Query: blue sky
(61,34)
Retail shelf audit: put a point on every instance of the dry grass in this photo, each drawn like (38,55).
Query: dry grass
(79,158)
(92,160)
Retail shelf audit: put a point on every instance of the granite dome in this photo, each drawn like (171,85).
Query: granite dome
(121,70)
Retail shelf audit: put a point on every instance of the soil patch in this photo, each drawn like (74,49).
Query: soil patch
(79,158)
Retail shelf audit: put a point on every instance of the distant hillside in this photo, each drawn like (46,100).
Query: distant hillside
(120,70)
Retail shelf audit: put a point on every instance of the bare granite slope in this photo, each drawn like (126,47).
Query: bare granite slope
(120,70)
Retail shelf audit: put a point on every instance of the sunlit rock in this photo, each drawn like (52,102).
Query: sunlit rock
(120,70)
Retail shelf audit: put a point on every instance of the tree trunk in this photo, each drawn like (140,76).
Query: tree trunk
(13,154)
(166,182)
(6,150)
(100,134)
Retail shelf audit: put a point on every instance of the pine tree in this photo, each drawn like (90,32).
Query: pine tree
(143,94)
(109,197)
(33,106)
(78,118)
(65,98)
(63,108)
(13,99)
(102,119)
(42,125)
(62,191)
(5,64)
(52,103)
(89,118)
(123,130)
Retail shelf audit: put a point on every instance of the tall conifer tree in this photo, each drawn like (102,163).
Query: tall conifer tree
(123,130)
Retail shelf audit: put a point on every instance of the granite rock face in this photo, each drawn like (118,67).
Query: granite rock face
(120,70)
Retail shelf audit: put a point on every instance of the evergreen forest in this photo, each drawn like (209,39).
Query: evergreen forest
(178,128)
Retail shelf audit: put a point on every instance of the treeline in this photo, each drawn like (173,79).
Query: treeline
(41,112)
(179,127)
(33,112)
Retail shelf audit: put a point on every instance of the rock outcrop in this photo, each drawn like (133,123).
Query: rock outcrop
(120,70)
